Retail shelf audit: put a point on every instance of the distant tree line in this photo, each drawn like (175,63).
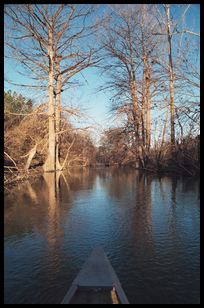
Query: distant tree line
(117,149)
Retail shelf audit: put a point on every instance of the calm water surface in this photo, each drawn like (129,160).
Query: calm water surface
(149,228)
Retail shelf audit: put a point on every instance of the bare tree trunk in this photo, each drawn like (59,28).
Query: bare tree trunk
(171,77)
(144,88)
(137,127)
(58,114)
(135,116)
(143,119)
(65,160)
(163,138)
(148,110)
(136,111)
(164,130)
(30,157)
(146,82)
(179,122)
(50,162)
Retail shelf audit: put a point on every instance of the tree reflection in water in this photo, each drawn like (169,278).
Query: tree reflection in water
(149,227)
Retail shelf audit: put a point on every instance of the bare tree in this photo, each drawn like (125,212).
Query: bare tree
(52,50)
(171,73)
(173,29)
(32,25)
(130,49)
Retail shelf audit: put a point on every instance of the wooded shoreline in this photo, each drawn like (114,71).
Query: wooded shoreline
(150,60)
(14,178)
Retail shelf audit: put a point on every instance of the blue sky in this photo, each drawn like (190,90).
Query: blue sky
(95,105)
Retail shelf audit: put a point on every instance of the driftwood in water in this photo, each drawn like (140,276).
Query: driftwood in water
(10,163)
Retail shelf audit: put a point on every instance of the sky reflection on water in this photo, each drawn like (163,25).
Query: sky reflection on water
(148,226)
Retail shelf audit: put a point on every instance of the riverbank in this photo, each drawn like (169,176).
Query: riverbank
(14,178)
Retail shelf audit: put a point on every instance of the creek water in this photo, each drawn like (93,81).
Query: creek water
(148,226)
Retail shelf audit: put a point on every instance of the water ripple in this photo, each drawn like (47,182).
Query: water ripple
(149,228)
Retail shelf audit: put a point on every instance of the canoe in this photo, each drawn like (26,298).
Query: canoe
(96,283)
